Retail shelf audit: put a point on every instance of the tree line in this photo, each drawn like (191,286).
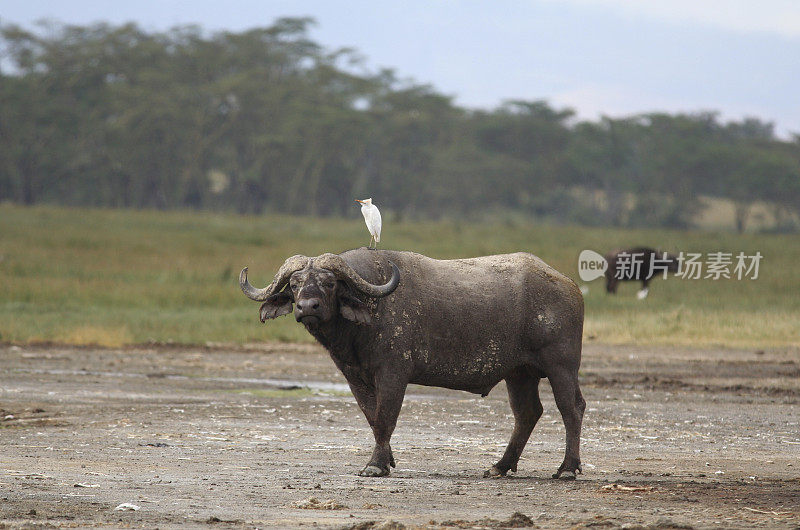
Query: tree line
(267,120)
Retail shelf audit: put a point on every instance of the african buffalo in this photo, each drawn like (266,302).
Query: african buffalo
(637,264)
(391,318)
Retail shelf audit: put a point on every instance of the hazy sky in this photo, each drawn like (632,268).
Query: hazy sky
(613,57)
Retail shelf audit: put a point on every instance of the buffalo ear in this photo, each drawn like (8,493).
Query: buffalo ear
(354,309)
(277,305)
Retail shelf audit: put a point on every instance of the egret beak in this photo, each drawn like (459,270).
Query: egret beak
(362,202)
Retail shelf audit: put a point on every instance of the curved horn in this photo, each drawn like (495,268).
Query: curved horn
(289,267)
(335,263)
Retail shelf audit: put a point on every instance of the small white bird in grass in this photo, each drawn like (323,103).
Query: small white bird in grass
(372,216)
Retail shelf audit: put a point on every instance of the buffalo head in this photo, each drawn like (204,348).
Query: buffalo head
(320,288)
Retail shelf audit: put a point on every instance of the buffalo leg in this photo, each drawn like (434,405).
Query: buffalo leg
(571,404)
(388,401)
(642,294)
(523,395)
(365,397)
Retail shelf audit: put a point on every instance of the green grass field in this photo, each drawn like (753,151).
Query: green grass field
(114,277)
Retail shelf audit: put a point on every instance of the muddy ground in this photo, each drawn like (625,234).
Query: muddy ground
(244,437)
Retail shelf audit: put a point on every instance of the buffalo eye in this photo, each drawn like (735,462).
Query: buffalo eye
(293,286)
(328,285)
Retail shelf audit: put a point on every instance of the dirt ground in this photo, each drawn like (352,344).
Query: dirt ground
(247,436)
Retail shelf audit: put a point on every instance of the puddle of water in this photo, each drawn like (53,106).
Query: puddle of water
(279,384)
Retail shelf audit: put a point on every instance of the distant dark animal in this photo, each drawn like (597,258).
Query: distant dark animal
(392,318)
(637,264)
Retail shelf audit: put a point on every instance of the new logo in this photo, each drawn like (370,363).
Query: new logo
(591,265)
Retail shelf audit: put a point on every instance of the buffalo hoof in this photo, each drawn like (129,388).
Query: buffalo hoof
(565,475)
(373,471)
(494,472)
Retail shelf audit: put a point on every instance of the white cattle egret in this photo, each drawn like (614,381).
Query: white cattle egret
(372,216)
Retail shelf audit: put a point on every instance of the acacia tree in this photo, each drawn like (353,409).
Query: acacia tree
(268,120)
(764,176)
